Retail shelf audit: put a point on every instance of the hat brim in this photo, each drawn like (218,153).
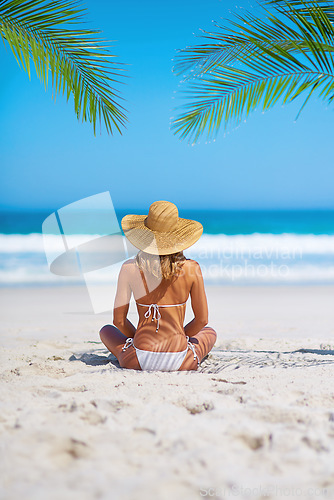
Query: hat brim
(186,233)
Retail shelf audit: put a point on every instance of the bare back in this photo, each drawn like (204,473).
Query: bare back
(171,334)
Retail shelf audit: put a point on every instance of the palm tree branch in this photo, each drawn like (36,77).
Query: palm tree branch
(288,53)
(304,6)
(251,33)
(230,93)
(78,60)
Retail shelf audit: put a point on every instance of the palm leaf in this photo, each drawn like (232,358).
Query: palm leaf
(257,61)
(303,6)
(248,30)
(78,61)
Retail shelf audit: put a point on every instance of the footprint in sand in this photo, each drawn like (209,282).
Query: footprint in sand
(91,415)
(66,450)
(194,409)
(255,442)
(315,444)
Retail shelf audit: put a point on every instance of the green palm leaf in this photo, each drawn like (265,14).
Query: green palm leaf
(77,61)
(256,61)
(302,6)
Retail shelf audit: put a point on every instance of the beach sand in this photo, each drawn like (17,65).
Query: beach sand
(256,420)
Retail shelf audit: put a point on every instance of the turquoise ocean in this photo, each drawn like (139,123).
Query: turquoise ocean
(238,247)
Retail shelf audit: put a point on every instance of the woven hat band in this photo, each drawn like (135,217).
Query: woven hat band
(162,217)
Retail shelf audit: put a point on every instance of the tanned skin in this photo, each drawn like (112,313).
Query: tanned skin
(171,336)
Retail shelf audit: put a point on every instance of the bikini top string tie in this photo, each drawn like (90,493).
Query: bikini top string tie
(154,310)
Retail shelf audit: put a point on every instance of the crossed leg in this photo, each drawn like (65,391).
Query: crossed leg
(203,342)
(114,340)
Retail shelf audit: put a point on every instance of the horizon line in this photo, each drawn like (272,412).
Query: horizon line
(195,209)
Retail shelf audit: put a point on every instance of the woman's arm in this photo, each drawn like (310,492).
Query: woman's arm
(122,300)
(199,302)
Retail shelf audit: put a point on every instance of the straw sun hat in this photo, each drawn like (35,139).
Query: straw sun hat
(162,231)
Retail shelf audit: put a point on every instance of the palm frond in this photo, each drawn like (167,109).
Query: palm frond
(259,60)
(77,61)
(303,6)
(243,33)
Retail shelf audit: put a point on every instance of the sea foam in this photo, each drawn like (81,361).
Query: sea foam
(225,259)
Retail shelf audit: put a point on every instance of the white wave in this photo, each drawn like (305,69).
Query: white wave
(254,258)
(220,276)
(209,244)
(34,242)
(34,275)
(266,245)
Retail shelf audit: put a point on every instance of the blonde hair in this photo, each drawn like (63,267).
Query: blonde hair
(161,266)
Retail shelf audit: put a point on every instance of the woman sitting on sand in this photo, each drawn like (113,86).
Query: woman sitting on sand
(161,279)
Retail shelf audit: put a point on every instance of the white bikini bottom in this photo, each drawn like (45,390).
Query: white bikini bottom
(161,361)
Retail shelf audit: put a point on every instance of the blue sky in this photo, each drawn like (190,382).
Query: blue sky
(48,159)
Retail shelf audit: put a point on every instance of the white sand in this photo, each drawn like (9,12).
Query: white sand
(256,421)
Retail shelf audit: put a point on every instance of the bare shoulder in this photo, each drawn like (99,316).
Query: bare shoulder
(192,267)
(129,263)
(128,267)
(191,263)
